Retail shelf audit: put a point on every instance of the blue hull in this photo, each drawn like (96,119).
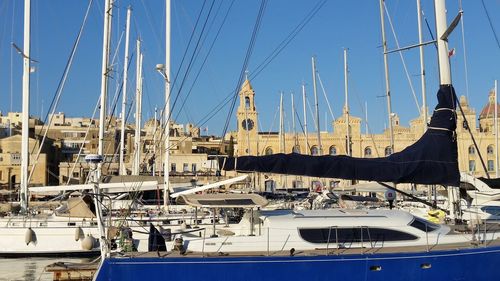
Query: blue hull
(466,264)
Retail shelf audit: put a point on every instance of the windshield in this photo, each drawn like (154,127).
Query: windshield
(424,225)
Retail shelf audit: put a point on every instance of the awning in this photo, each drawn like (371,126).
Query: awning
(223,200)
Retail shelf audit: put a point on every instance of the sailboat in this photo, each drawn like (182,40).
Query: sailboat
(341,243)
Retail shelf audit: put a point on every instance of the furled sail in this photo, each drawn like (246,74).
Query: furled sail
(430,160)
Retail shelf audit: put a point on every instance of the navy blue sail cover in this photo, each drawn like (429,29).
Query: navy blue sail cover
(430,160)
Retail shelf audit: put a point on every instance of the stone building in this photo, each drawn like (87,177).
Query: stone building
(10,162)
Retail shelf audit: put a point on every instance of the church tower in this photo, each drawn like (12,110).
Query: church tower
(247,121)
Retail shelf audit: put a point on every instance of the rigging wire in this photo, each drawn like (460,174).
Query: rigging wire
(191,61)
(289,38)
(491,24)
(466,72)
(245,65)
(326,97)
(276,51)
(193,33)
(205,59)
(59,90)
(174,81)
(402,58)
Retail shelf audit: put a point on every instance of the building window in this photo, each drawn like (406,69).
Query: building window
(472,166)
(75,175)
(314,150)
(296,149)
(247,103)
(472,150)
(193,168)
(297,184)
(491,165)
(185,167)
(173,168)
(368,152)
(333,150)
(269,151)
(334,184)
(388,151)
(489,150)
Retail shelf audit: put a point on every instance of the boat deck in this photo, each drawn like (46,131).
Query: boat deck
(320,251)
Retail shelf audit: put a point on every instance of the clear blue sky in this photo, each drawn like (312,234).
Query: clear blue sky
(339,24)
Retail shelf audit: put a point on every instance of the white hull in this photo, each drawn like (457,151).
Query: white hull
(49,237)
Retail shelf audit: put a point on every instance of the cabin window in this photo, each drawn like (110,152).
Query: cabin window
(472,166)
(423,225)
(353,235)
(491,165)
(492,210)
(388,151)
(472,150)
(368,152)
(296,149)
(314,150)
(269,151)
(333,150)
(489,150)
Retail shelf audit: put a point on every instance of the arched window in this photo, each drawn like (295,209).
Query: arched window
(368,151)
(388,151)
(333,150)
(314,150)
(247,103)
(296,149)
(269,151)
(472,150)
(490,150)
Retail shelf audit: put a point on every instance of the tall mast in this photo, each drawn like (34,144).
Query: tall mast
(496,129)
(108,10)
(422,66)
(138,106)
(293,123)
(445,78)
(281,131)
(346,108)
(25,107)
(366,118)
(443,56)
(123,170)
(316,105)
(166,181)
(386,67)
(304,101)
(154,141)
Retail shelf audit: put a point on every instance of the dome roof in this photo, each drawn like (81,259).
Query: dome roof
(488,110)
